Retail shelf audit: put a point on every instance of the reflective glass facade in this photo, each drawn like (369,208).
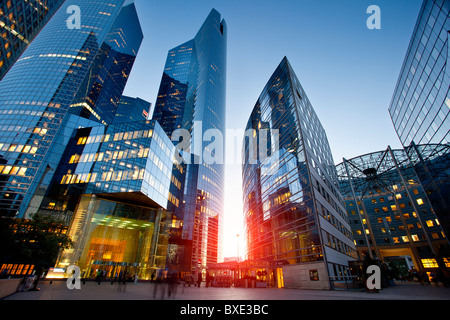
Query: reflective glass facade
(420,108)
(192,97)
(116,238)
(432,166)
(35,98)
(389,211)
(132,109)
(20,22)
(293,210)
(99,95)
(421,104)
(119,187)
(133,160)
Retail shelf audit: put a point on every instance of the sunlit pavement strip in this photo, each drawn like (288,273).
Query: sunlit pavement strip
(145,291)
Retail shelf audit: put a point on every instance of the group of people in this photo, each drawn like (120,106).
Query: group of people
(119,277)
(161,284)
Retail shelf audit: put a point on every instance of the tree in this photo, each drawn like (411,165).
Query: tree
(37,241)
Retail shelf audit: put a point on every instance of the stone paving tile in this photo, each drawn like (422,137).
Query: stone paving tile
(146,291)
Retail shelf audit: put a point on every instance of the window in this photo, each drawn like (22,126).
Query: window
(430,263)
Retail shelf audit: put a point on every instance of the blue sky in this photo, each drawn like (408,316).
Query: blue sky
(348,71)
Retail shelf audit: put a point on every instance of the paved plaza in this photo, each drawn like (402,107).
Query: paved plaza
(148,291)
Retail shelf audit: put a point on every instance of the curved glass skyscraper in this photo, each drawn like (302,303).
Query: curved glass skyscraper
(38,91)
(192,98)
(20,22)
(420,107)
(293,211)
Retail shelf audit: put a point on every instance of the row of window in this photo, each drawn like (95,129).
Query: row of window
(13,170)
(404,239)
(109,156)
(338,245)
(105,177)
(331,219)
(410,226)
(131,135)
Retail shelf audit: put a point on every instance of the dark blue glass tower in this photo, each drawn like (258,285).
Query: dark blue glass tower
(40,88)
(420,107)
(132,109)
(20,22)
(192,97)
(99,95)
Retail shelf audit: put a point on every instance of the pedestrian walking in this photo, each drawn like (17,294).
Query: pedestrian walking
(160,285)
(199,279)
(172,283)
(434,278)
(99,276)
(425,279)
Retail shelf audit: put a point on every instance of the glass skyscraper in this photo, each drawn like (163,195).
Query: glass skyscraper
(99,96)
(118,187)
(294,213)
(192,97)
(132,109)
(420,107)
(38,91)
(20,22)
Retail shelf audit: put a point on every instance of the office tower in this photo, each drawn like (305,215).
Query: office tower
(132,109)
(192,98)
(99,95)
(421,101)
(391,217)
(20,22)
(118,185)
(36,95)
(420,105)
(294,213)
